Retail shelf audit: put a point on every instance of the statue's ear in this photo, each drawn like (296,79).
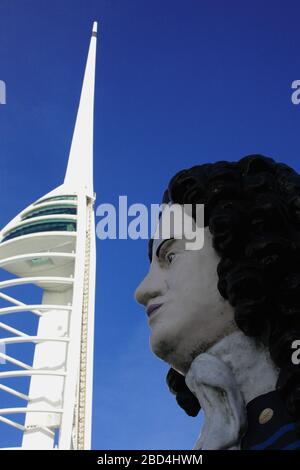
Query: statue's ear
(184,397)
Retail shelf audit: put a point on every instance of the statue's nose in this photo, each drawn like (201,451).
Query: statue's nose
(148,289)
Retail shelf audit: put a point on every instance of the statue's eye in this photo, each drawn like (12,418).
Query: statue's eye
(170,257)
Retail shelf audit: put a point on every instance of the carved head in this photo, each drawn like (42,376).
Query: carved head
(246,276)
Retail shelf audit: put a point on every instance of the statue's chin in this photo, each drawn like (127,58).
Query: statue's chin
(174,353)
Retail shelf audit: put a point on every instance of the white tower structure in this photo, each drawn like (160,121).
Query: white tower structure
(51,245)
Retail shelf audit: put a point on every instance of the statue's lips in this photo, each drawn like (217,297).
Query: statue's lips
(152,308)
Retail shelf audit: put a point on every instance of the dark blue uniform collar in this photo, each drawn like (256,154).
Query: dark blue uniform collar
(269,425)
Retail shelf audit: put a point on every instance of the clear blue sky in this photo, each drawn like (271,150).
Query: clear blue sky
(178,83)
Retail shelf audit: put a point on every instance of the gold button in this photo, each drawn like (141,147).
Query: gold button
(265,415)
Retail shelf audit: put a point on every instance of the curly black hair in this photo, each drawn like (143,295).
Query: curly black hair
(252,209)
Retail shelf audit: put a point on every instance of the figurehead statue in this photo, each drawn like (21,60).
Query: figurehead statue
(227,317)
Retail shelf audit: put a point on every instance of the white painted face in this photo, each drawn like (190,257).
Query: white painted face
(186,312)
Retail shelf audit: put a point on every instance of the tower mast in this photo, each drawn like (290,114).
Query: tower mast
(51,244)
(79,174)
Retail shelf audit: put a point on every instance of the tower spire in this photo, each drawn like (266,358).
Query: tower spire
(51,244)
(79,174)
